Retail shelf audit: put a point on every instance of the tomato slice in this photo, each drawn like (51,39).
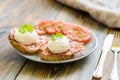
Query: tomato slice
(86,38)
(50,30)
(74,32)
(44,22)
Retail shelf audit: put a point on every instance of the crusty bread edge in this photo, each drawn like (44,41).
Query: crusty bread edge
(58,57)
(18,46)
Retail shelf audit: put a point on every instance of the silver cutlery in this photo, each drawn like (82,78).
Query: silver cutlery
(116,49)
(106,47)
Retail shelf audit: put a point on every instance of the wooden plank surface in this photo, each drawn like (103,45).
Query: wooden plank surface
(14,67)
(60,71)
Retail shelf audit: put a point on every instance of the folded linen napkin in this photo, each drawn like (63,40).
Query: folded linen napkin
(105,11)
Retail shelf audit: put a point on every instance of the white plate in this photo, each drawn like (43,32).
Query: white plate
(90,47)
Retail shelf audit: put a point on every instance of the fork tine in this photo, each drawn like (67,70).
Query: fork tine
(116,37)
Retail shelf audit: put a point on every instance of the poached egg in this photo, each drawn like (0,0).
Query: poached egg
(26,38)
(59,45)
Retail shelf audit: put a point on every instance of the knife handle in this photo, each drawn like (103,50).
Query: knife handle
(97,75)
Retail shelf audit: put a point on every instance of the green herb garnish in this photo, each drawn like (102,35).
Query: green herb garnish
(56,36)
(26,28)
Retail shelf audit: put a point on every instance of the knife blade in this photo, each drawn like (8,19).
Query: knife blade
(108,43)
(106,47)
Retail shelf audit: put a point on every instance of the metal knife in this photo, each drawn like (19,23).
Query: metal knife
(106,47)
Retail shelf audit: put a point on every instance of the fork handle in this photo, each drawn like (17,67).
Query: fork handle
(114,73)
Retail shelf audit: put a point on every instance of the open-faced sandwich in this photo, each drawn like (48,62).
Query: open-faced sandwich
(52,40)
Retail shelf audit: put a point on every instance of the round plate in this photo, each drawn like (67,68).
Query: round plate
(90,47)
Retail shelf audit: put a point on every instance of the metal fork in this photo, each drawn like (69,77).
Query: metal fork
(115,49)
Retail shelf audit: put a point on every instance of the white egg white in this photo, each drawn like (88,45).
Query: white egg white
(26,38)
(59,45)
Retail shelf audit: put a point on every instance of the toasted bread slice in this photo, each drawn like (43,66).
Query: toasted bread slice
(54,57)
(28,49)
(46,54)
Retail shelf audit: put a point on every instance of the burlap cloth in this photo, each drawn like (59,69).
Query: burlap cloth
(105,11)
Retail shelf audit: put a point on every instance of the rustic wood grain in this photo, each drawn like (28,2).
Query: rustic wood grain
(69,71)
(14,67)
(15,13)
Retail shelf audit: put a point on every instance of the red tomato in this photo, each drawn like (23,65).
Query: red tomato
(49,22)
(67,29)
(86,39)
(50,30)
(58,29)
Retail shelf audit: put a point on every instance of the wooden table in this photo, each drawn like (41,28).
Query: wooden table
(14,67)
